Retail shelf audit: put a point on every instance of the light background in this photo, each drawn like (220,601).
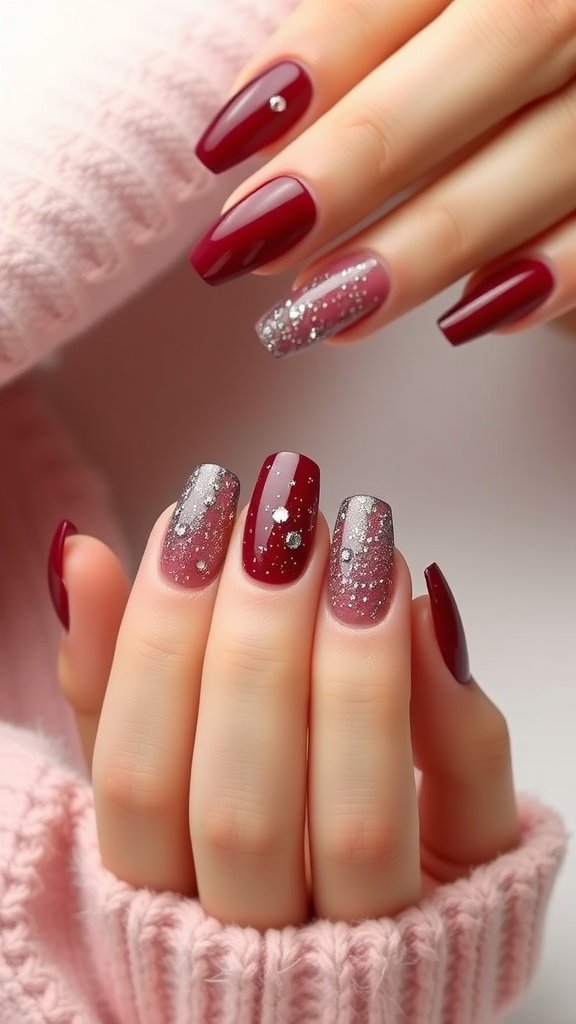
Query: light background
(474,448)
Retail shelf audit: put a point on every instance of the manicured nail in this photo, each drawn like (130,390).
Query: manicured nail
(508,294)
(447,624)
(361,561)
(261,226)
(347,291)
(197,539)
(56,584)
(281,519)
(256,116)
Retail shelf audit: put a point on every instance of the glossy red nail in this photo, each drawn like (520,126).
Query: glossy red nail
(256,116)
(281,519)
(447,624)
(261,226)
(56,584)
(508,294)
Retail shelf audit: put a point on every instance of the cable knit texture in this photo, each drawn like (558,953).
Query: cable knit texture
(100,189)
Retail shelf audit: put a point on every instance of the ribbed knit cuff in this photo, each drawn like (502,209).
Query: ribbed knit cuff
(129,955)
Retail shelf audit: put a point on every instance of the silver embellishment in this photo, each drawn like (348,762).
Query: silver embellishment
(346,555)
(281,514)
(180,529)
(293,539)
(277,104)
(201,565)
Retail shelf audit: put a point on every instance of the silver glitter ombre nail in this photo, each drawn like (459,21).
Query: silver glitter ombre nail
(361,561)
(197,539)
(346,292)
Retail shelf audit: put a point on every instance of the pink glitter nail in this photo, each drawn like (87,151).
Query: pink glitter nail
(346,292)
(197,539)
(361,561)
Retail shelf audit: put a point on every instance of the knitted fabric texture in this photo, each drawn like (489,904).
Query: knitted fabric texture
(79,947)
(101,106)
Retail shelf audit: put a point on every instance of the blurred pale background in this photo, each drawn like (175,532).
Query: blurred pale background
(474,448)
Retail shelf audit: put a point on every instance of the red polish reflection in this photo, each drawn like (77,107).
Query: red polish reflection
(262,112)
(56,584)
(508,294)
(261,226)
(447,624)
(281,520)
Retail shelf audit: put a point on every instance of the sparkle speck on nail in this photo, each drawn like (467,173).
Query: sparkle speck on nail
(293,540)
(280,514)
(346,555)
(277,104)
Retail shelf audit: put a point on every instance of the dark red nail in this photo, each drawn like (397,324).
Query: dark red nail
(508,294)
(261,226)
(447,624)
(256,116)
(56,584)
(197,539)
(281,519)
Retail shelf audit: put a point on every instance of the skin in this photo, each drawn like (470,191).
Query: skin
(453,101)
(194,709)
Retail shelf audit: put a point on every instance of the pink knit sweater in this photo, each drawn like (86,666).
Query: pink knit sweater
(99,190)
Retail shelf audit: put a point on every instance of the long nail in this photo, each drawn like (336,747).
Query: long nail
(508,294)
(281,519)
(261,226)
(256,116)
(347,291)
(447,624)
(197,538)
(56,584)
(361,561)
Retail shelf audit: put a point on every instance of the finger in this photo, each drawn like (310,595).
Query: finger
(530,286)
(143,751)
(440,234)
(96,590)
(303,69)
(362,799)
(400,122)
(248,787)
(467,806)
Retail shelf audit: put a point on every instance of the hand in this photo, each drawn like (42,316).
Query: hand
(471,107)
(252,709)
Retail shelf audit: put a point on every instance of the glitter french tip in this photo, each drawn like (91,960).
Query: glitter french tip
(256,116)
(447,624)
(56,585)
(281,519)
(508,294)
(197,538)
(346,292)
(361,561)
(263,225)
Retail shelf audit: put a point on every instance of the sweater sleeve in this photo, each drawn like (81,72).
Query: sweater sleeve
(100,189)
(77,946)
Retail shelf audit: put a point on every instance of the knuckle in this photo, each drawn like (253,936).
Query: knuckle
(367,136)
(236,832)
(490,752)
(252,658)
(446,232)
(361,841)
(131,793)
(562,125)
(155,649)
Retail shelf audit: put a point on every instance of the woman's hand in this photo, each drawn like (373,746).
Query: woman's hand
(252,709)
(471,107)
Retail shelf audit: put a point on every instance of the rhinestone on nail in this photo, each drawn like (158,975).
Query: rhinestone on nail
(281,514)
(293,539)
(277,104)
(201,565)
(346,555)
(180,529)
